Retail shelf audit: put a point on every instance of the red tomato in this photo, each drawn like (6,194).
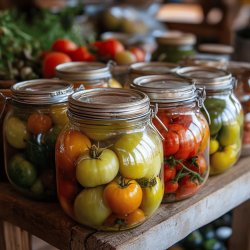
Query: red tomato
(138,53)
(63,45)
(171,187)
(81,54)
(51,61)
(171,144)
(169,172)
(108,48)
(197,164)
(186,141)
(186,188)
(184,120)
(164,119)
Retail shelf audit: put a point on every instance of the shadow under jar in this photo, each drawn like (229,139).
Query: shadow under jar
(36,116)
(225,113)
(185,131)
(109,160)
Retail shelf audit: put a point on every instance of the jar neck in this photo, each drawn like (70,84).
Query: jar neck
(217,92)
(191,105)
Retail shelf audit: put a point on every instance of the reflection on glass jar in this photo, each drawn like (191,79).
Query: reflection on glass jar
(89,75)
(36,117)
(109,160)
(185,132)
(225,112)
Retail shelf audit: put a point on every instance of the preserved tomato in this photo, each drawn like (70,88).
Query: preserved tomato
(31,127)
(184,129)
(226,116)
(109,167)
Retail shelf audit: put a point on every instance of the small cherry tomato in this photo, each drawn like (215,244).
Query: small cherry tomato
(39,123)
(197,164)
(51,61)
(81,54)
(108,48)
(187,187)
(63,45)
(171,144)
(123,196)
(169,172)
(138,53)
(171,186)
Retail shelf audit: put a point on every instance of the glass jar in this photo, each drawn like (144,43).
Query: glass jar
(150,68)
(185,132)
(109,160)
(226,115)
(36,116)
(174,47)
(89,75)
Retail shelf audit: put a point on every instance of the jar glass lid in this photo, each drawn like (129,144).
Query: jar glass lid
(151,68)
(41,91)
(82,71)
(108,104)
(165,88)
(208,77)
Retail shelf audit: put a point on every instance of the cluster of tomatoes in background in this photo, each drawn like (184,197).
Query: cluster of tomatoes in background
(65,50)
(185,166)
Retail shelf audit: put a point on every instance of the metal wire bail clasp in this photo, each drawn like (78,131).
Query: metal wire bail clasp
(5,100)
(201,96)
(154,110)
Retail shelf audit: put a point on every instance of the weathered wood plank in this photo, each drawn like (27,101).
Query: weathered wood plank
(171,223)
(45,220)
(16,238)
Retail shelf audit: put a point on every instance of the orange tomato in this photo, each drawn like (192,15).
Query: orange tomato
(125,220)
(39,123)
(123,196)
(138,53)
(205,134)
(69,146)
(135,217)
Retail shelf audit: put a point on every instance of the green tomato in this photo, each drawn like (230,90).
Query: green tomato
(215,124)
(215,105)
(21,171)
(125,57)
(152,197)
(137,153)
(58,114)
(37,188)
(229,134)
(90,208)
(16,132)
(214,146)
(98,170)
(222,160)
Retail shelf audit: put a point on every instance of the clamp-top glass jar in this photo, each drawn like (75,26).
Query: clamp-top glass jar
(184,129)
(174,47)
(36,116)
(109,160)
(90,75)
(225,112)
(149,68)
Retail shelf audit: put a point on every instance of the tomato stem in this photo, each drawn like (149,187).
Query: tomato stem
(145,182)
(173,162)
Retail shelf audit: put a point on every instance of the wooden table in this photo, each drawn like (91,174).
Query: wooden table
(171,223)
